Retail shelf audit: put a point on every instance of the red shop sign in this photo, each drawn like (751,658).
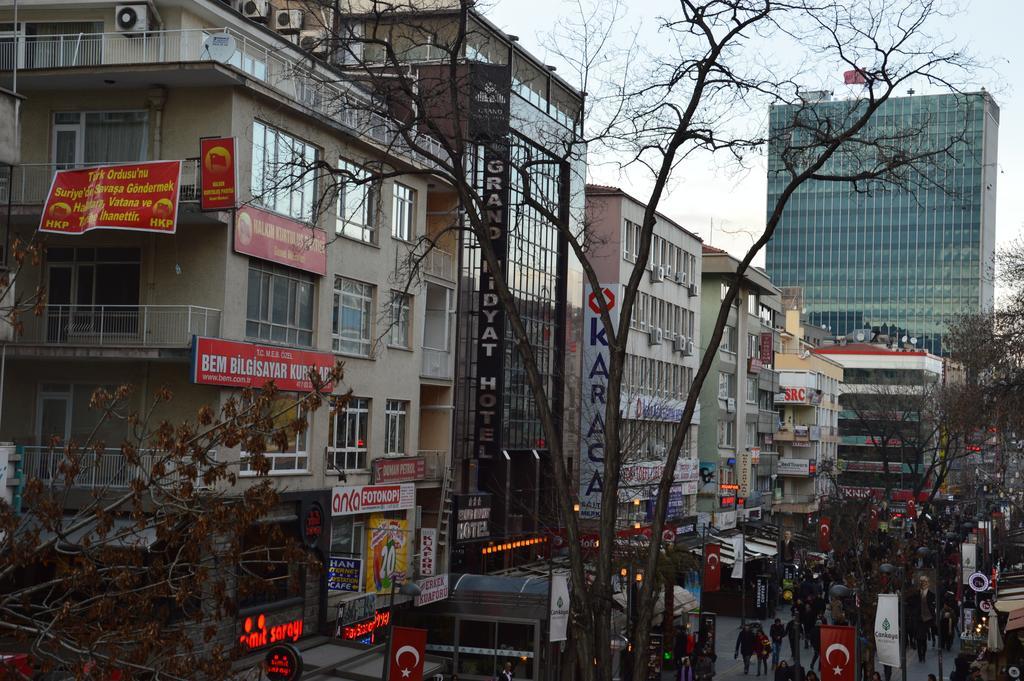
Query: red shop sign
(247,365)
(399,470)
(273,237)
(218,176)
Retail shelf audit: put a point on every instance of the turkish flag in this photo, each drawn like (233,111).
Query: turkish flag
(825,535)
(874,518)
(406,654)
(712,567)
(838,653)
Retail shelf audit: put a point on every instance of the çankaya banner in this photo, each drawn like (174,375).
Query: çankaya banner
(559,607)
(887,630)
(138,197)
(246,365)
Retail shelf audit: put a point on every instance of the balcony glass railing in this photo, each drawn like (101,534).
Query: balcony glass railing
(437,364)
(29,183)
(157,326)
(279,66)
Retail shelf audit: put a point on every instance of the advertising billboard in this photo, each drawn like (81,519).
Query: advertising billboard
(387,549)
(247,365)
(275,238)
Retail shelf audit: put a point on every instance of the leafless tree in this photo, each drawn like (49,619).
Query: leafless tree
(657,113)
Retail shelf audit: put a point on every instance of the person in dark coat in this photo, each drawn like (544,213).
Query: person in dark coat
(783,672)
(793,633)
(921,608)
(815,639)
(778,634)
(745,644)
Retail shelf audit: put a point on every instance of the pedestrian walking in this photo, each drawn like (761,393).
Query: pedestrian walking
(705,668)
(686,670)
(947,627)
(745,643)
(811,676)
(815,642)
(506,673)
(793,633)
(783,672)
(763,650)
(778,633)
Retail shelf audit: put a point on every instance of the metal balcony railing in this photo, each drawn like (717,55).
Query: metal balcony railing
(436,462)
(439,263)
(154,326)
(28,184)
(278,66)
(437,364)
(107,469)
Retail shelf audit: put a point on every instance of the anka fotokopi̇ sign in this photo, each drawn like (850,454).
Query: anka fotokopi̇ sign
(138,197)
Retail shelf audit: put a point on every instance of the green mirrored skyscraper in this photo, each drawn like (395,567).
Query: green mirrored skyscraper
(902,258)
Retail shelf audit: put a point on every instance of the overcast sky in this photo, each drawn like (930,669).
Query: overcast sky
(703,195)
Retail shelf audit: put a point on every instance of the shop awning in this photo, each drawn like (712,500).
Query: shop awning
(123,533)
(326,659)
(1016,620)
(496,583)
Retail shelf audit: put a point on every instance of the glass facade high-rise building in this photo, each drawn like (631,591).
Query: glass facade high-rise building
(904,258)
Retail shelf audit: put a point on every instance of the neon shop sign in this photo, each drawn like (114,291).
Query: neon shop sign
(364,630)
(256,634)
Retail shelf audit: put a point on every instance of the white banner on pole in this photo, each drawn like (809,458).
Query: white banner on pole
(737,550)
(968,560)
(887,630)
(559,622)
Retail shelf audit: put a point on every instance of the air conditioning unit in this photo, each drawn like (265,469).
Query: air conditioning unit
(692,291)
(257,10)
(657,273)
(730,405)
(681,278)
(131,18)
(689,349)
(679,344)
(314,40)
(655,336)
(288,20)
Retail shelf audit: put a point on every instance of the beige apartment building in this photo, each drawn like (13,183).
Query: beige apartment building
(807,439)
(105,86)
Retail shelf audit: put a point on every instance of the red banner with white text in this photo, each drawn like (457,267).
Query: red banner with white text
(139,197)
(246,365)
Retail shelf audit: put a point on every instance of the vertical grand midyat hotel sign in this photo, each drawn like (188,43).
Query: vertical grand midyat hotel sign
(489,128)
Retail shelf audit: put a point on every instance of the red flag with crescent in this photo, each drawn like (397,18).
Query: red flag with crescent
(838,653)
(911,509)
(825,535)
(406,654)
(874,518)
(712,567)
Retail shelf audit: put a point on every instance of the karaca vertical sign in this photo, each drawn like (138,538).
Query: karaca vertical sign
(218,176)
(141,197)
(596,358)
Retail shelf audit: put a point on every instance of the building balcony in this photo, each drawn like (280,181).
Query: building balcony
(439,263)
(108,469)
(437,364)
(28,184)
(278,66)
(145,326)
(436,462)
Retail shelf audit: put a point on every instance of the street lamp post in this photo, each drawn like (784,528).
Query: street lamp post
(841,591)
(411,589)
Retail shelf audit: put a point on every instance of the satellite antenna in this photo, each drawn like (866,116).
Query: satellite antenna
(913,340)
(219,47)
(904,339)
(859,336)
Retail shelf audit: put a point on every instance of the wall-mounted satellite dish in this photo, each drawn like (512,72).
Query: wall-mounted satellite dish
(219,47)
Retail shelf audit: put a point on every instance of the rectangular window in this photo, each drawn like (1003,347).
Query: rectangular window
(752,304)
(396,415)
(726,385)
(398,322)
(294,456)
(84,138)
(283,172)
(347,536)
(357,203)
(751,434)
(348,436)
(751,390)
(628,229)
(353,317)
(726,434)
(402,211)
(728,339)
(279,306)
(753,345)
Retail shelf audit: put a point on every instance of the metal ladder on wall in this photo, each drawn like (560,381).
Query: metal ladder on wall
(444,514)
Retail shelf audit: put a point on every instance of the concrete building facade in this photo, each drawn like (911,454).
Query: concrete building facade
(662,348)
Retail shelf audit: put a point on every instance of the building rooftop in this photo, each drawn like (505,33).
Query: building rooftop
(608,190)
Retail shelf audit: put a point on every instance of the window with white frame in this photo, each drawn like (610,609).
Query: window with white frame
(403,205)
(629,231)
(347,536)
(357,202)
(283,172)
(751,440)
(751,390)
(396,418)
(279,304)
(726,433)
(726,385)
(353,317)
(82,138)
(753,345)
(399,330)
(728,339)
(349,435)
(294,456)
